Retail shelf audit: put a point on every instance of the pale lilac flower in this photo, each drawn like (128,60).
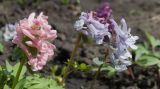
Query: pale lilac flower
(33,35)
(124,40)
(101,26)
(123,34)
(96,24)
(92,27)
(79,24)
(9,32)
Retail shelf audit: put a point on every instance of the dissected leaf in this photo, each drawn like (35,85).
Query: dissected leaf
(83,67)
(3,78)
(38,82)
(20,84)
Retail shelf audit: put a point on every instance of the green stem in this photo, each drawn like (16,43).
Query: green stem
(67,71)
(15,81)
(158,78)
(93,82)
(92,86)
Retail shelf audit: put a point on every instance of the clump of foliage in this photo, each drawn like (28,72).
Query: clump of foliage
(35,81)
(148,54)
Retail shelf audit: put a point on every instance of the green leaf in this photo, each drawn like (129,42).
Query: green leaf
(146,45)
(140,51)
(20,84)
(154,43)
(109,70)
(74,65)
(38,82)
(1,48)
(157,54)
(147,61)
(3,78)
(65,2)
(63,70)
(97,61)
(83,67)
(6,87)
(9,67)
(15,69)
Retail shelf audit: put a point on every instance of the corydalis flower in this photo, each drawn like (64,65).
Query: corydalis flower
(101,26)
(122,42)
(9,32)
(91,26)
(104,11)
(33,35)
(95,24)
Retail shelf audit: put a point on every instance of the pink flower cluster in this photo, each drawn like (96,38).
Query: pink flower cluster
(33,35)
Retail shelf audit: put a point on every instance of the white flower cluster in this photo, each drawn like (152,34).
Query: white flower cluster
(9,32)
(119,37)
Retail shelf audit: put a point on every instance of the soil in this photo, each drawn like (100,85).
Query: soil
(141,15)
